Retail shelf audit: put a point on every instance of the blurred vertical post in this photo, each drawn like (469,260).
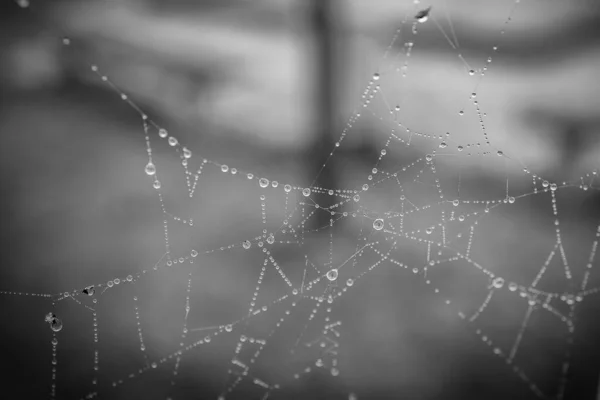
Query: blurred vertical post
(323,21)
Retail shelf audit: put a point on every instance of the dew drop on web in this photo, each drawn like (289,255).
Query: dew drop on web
(332,274)
(423,15)
(498,282)
(378,224)
(56,324)
(150,168)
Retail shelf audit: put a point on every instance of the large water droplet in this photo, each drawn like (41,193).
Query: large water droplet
(163,133)
(287,188)
(246,244)
(263,182)
(350,282)
(172,141)
(89,290)
(187,153)
(306,192)
(423,15)
(378,224)
(150,168)
(332,274)
(224,168)
(498,282)
(156,184)
(56,324)
(512,286)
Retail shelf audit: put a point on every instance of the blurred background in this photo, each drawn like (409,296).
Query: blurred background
(268,86)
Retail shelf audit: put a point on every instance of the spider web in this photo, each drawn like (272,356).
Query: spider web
(411,216)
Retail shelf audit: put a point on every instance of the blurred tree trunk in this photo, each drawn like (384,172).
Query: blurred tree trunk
(323,20)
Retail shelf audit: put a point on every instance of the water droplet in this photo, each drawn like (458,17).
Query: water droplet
(498,282)
(89,290)
(500,153)
(428,231)
(194,253)
(153,365)
(455,202)
(287,188)
(250,176)
(443,145)
(163,133)
(460,148)
(117,281)
(54,341)
(187,153)
(306,192)
(423,15)
(150,168)
(271,239)
(378,224)
(335,372)
(471,72)
(110,283)
(383,152)
(66,41)
(511,200)
(512,286)
(461,112)
(356,198)
(365,187)
(263,182)
(461,218)
(246,244)
(375,76)
(350,282)
(129,278)
(545,184)
(428,157)
(56,324)
(172,141)
(224,168)
(275,184)
(23,3)
(156,184)
(228,328)
(553,187)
